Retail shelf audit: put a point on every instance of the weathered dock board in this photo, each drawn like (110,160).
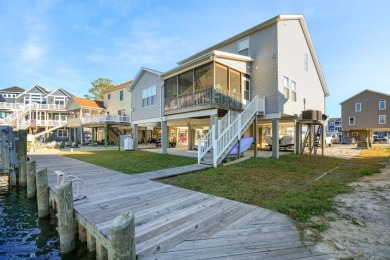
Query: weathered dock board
(174,223)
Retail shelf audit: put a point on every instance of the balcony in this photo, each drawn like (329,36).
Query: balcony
(49,123)
(105,120)
(203,99)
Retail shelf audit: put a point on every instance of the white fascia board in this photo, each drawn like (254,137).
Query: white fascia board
(146,121)
(139,75)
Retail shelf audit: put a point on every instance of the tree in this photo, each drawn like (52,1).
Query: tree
(98,86)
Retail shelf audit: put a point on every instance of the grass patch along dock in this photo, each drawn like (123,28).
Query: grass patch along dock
(176,223)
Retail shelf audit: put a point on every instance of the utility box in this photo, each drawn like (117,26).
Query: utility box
(128,144)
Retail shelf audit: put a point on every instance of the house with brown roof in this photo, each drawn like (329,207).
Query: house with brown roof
(364,114)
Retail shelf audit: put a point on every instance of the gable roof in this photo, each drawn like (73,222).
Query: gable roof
(366,90)
(41,89)
(261,26)
(66,93)
(139,75)
(13,89)
(84,102)
(118,87)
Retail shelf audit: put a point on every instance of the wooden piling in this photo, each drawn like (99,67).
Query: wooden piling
(23,170)
(123,237)
(91,242)
(101,251)
(12,177)
(82,233)
(65,216)
(42,193)
(31,180)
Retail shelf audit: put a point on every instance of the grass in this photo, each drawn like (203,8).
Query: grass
(132,162)
(286,185)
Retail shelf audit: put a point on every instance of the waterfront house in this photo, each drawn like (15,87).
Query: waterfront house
(274,64)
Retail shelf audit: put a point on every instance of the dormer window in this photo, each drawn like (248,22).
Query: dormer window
(358,106)
(243,47)
(382,104)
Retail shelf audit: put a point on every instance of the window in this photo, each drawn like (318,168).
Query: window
(382,104)
(121,95)
(382,119)
(185,83)
(246,89)
(171,87)
(355,133)
(352,121)
(358,106)
(306,64)
(243,47)
(122,112)
(286,88)
(293,90)
(59,100)
(149,96)
(331,123)
(62,133)
(109,96)
(235,81)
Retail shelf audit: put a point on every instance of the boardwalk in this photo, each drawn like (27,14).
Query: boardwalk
(174,223)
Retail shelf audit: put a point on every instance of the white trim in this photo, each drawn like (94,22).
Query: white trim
(380,93)
(272,116)
(384,101)
(207,112)
(139,75)
(349,120)
(356,106)
(146,121)
(384,121)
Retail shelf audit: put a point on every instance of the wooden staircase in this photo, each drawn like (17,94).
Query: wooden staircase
(213,148)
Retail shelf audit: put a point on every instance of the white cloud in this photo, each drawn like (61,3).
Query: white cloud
(96,58)
(32,52)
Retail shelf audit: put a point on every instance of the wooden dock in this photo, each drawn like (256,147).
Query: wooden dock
(175,223)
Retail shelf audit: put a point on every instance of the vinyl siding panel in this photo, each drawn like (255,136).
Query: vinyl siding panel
(292,46)
(368,117)
(263,70)
(142,113)
(114,103)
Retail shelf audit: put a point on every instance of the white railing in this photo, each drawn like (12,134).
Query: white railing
(234,130)
(23,125)
(47,106)
(17,114)
(224,122)
(105,119)
(7,105)
(205,144)
(38,122)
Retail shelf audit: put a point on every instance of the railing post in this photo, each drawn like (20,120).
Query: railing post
(65,216)
(31,180)
(199,150)
(42,193)
(123,237)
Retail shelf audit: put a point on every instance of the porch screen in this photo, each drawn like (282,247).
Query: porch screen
(170,87)
(221,77)
(204,76)
(186,82)
(235,81)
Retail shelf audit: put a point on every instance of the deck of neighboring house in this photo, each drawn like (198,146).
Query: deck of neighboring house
(175,223)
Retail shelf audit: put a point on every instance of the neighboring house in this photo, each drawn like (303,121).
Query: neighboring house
(146,105)
(7,101)
(334,128)
(365,113)
(38,110)
(274,61)
(117,99)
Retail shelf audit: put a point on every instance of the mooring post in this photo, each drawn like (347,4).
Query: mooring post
(82,233)
(5,155)
(12,177)
(123,237)
(91,242)
(65,216)
(31,180)
(42,193)
(101,251)
(23,171)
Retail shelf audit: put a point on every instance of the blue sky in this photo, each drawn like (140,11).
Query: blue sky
(69,44)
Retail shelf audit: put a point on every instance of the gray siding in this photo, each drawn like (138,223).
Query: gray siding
(292,46)
(57,93)
(142,113)
(263,48)
(368,117)
(33,90)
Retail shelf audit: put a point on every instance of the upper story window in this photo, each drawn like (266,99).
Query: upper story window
(338,122)
(382,119)
(352,121)
(382,104)
(121,95)
(109,96)
(286,87)
(293,90)
(243,47)
(331,123)
(306,62)
(149,96)
(358,106)
(59,100)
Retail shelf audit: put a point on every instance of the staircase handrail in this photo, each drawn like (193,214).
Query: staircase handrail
(234,130)
(17,113)
(205,144)
(224,122)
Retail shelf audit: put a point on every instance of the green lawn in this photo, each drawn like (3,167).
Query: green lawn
(133,161)
(286,185)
